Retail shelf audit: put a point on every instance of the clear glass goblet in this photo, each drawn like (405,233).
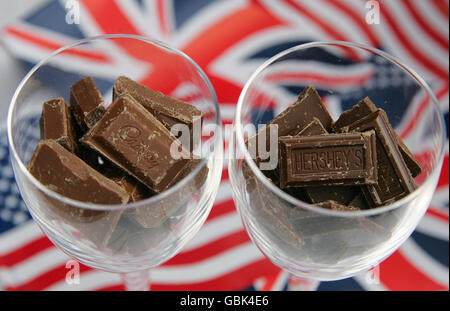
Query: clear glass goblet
(132,238)
(308,241)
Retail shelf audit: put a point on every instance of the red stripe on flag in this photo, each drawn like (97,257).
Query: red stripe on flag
(52,46)
(443,42)
(436,213)
(224,33)
(221,209)
(46,279)
(25,251)
(420,109)
(410,47)
(214,248)
(442,7)
(357,18)
(162,15)
(271,280)
(328,29)
(239,279)
(316,78)
(408,278)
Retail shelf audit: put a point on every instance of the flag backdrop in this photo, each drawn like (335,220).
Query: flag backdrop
(229,39)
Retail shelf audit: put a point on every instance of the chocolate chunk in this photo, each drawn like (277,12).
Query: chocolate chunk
(273,212)
(313,128)
(174,204)
(135,189)
(168,110)
(297,116)
(86,103)
(340,194)
(68,175)
(134,140)
(56,123)
(364,108)
(322,160)
(359,201)
(333,205)
(294,119)
(394,180)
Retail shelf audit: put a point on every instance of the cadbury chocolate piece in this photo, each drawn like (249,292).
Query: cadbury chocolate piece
(66,174)
(168,110)
(292,120)
(340,194)
(86,103)
(365,107)
(134,140)
(334,159)
(394,180)
(333,205)
(56,123)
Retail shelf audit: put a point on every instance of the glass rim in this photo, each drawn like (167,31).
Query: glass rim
(110,207)
(291,199)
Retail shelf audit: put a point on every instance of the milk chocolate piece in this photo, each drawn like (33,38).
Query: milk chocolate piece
(340,194)
(134,140)
(322,160)
(333,205)
(86,103)
(359,201)
(365,107)
(274,213)
(56,123)
(294,119)
(394,180)
(65,173)
(168,110)
(154,215)
(135,189)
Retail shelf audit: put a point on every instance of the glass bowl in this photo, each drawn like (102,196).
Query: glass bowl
(135,236)
(313,242)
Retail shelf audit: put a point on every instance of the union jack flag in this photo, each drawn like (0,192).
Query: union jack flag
(229,40)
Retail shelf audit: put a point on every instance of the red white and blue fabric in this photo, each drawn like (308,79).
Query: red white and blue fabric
(229,39)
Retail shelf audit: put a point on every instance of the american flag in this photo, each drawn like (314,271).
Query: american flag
(229,40)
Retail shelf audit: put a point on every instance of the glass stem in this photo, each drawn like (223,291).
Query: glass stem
(302,284)
(136,281)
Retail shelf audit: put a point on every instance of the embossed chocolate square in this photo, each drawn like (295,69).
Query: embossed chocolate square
(134,140)
(326,160)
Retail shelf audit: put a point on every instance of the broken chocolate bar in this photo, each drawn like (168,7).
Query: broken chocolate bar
(394,180)
(134,140)
(334,159)
(365,107)
(168,110)
(86,103)
(339,194)
(65,173)
(56,123)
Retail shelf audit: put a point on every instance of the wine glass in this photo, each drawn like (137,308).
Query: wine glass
(131,238)
(307,241)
